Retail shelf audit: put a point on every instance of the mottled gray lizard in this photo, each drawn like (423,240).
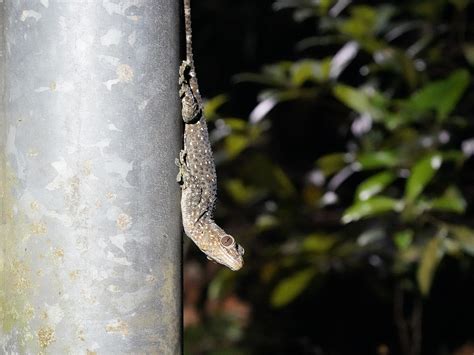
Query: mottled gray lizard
(197,171)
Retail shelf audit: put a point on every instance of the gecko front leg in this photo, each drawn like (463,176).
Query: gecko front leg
(191,107)
(180,162)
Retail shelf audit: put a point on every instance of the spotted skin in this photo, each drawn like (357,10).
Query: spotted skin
(197,171)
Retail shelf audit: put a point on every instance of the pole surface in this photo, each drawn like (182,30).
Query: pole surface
(90,221)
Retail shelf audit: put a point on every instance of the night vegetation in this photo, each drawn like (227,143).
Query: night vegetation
(344,135)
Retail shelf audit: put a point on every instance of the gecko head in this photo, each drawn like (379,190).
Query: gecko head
(229,253)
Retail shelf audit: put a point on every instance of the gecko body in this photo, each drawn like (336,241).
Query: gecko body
(197,171)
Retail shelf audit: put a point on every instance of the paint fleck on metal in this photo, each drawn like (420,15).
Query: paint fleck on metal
(73,275)
(32,153)
(111,195)
(87,167)
(150,278)
(125,73)
(21,280)
(124,221)
(38,228)
(80,334)
(46,336)
(30,13)
(58,253)
(29,311)
(118,326)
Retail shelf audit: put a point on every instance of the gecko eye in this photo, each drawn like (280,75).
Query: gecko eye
(227,241)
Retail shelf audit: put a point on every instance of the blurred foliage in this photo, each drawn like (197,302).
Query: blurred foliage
(393,197)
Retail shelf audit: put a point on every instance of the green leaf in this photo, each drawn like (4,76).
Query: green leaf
(430,259)
(302,72)
(441,96)
(283,185)
(406,65)
(360,100)
(262,172)
(465,236)
(456,156)
(403,239)
(353,98)
(364,23)
(235,144)
(220,284)
(393,120)
(421,175)
(332,163)
(291,287)
(241,193)
(460,4)
(373,185)
(361,23)
(278,71)
(375,206)
(451,247)
(211,106)
(309,70)
(266,221)
(318,243)
(378,159)
(468,50)
(451,201)
(236,124)
(275,75)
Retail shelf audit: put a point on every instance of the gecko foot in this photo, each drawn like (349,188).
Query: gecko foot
(181,164)
(184,69)
(179,177)
(191,105)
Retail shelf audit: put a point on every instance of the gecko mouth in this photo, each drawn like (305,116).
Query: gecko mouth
(232,263)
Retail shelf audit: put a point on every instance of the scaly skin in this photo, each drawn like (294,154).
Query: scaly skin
(197,171)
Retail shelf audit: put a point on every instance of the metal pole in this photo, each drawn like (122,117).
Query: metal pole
(2,175)
(90,224)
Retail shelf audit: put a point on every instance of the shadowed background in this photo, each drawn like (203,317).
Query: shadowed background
(343,133)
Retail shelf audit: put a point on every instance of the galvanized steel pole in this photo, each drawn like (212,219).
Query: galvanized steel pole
(90,224)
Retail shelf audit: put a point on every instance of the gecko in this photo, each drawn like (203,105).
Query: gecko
(197,170)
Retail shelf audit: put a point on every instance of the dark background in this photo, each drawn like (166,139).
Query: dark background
(395,280)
